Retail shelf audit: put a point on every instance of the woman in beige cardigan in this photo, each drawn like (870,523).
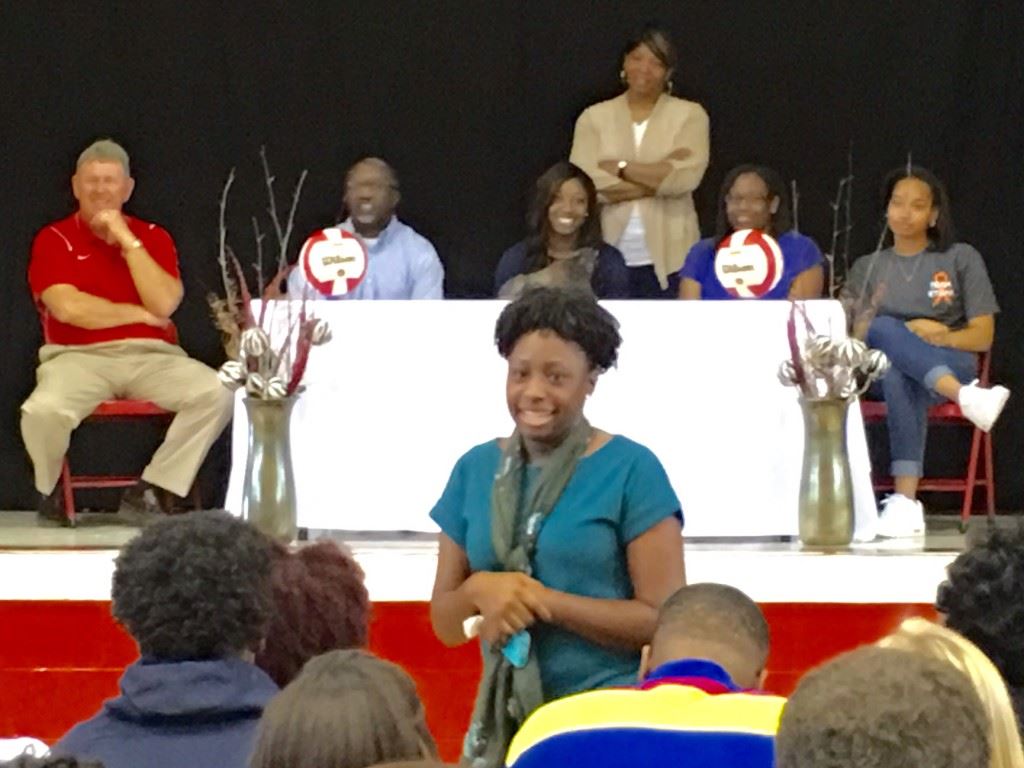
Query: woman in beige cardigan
(646,152)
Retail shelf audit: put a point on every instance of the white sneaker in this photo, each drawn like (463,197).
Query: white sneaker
(982,406)
(901,517)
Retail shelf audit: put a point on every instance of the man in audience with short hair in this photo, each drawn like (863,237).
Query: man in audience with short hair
(106,285)
(194,592)
(401,263)
(983,599)
(884,708)
(696,704)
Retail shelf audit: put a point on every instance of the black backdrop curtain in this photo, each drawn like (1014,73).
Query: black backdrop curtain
(470,101)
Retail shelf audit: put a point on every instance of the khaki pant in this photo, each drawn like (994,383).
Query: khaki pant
(72,380)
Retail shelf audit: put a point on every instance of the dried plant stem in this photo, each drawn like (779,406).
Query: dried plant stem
(795,194)
(229,291)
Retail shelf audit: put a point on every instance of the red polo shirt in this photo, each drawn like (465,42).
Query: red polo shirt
(68,252)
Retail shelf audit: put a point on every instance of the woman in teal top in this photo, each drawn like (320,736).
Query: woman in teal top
(562,538)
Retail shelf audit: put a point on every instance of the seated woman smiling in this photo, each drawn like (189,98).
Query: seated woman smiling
(564,246)
(754,197)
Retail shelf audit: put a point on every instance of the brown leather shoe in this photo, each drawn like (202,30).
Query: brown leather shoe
(50,510)
(141,505)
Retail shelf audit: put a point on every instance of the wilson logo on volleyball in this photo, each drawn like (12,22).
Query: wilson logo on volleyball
(748,263)
(334,261)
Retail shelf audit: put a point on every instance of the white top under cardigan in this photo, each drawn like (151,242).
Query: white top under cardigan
(605,131)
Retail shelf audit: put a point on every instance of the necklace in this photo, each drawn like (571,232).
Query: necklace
(908,277)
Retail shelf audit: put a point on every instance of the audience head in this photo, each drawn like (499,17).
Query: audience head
(753,197)
(320,604)
(923,637)
(194,586)
(714,622)
(371,194)
(883,708)
(648,61)
(564,202)
(102,179)
(557,342)
(346,709)
(983,599)
(916,202)
(48,761)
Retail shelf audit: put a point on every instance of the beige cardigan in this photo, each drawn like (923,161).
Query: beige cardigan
(605,132)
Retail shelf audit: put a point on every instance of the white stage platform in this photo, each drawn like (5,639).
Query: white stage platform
(398,571)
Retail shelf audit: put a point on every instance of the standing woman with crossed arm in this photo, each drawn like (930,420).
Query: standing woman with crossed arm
(646,151)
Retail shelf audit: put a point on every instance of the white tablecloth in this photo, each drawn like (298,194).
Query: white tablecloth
(405,388)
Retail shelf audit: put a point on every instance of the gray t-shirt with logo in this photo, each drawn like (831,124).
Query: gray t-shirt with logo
(950,286)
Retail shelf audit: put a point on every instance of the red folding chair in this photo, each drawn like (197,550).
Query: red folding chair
(981,448)
(109,411)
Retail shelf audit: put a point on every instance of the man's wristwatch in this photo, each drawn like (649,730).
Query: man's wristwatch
(621,169)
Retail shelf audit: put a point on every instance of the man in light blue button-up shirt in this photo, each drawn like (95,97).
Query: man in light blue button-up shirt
(401,263)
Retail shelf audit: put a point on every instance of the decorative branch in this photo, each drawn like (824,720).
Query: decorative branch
(795,194)
(254,364)
(229,292)
(283,233)
(848,229)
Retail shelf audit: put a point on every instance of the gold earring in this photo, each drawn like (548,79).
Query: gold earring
(668,86)
(622,77)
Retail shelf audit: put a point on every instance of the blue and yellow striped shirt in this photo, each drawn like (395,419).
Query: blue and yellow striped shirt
(687,714)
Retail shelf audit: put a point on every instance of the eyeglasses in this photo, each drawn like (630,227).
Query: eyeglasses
(731,199)
(369,186)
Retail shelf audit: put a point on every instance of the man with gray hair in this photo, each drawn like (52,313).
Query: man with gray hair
(401,263)
(106,285)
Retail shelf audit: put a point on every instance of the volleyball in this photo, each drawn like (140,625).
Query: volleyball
(334,261)
(748,263)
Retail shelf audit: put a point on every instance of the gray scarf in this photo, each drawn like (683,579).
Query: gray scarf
(507,693)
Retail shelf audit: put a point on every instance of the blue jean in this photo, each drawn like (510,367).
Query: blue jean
(908,387)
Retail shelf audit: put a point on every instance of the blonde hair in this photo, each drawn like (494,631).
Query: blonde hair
(105,151)
(928,639)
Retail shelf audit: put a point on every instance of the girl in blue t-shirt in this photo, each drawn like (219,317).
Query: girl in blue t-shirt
(563,539)
(755,197)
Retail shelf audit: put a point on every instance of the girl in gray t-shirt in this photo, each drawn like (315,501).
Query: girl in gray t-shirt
(932,311)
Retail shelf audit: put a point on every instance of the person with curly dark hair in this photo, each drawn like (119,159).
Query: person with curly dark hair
(194,592)
(346,709)
(883,708)
(562,538)
(320,604)
(982,598)
(31,761)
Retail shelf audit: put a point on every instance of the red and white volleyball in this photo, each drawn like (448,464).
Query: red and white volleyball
(748,263)
(334,261)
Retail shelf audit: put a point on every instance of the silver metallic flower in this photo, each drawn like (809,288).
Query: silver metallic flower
(850,352)
(818,352)
(787,373)
(232,374)
(875,364)
(255,385)
(321,332)
(275,388)
(254,342)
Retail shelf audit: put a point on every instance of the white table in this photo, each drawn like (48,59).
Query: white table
(405,388)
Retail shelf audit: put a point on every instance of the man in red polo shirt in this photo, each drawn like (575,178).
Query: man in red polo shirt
(106,285)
